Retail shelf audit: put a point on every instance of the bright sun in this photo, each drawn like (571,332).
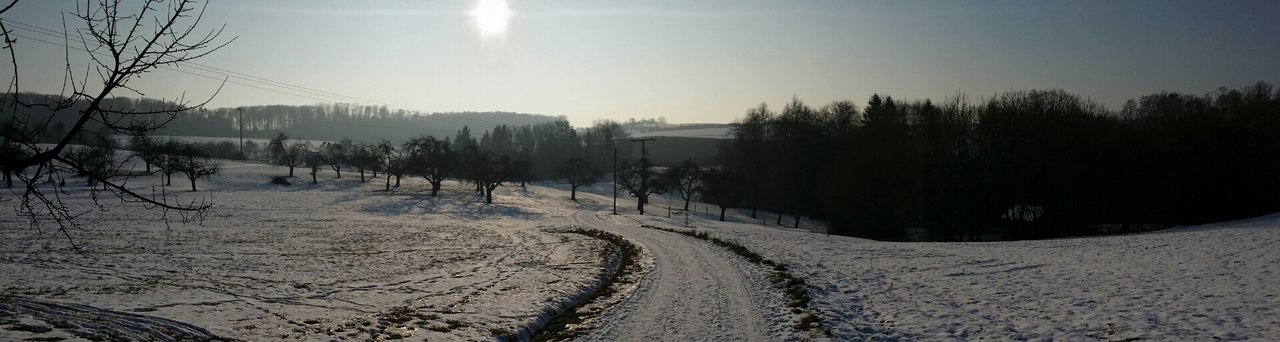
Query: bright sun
(491,17)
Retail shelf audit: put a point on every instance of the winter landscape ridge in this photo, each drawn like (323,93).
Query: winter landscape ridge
(343,260)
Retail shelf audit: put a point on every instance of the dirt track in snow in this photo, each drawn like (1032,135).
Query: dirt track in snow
(694,292)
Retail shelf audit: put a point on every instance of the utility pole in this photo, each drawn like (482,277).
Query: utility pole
(643,151)
(241,121)
(643,197)
(615,180)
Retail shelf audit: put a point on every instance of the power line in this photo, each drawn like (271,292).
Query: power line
(188,72)
(289,89)
(459,121)
(216,70)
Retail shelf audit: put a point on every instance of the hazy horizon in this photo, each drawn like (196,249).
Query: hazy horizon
(696,62)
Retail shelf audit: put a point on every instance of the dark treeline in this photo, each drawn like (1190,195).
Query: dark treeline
(503,155)
(1024,164)
(326,121)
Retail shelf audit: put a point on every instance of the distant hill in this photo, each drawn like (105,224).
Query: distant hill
(325,121)
(660,128)
(361,124)
(710,131)
(670,151)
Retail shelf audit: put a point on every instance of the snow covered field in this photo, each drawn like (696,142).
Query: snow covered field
(1202,283)
(343,260)
(316,262)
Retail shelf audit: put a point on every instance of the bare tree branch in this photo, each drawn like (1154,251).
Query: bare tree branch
(123,41)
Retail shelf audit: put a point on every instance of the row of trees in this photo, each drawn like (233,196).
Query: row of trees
(505,154)
(1024,164)
(97,157)
(169,157)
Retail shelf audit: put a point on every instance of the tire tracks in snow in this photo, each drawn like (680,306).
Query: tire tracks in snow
(693,292)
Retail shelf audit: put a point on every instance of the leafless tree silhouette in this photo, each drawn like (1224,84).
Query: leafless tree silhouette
(123,41)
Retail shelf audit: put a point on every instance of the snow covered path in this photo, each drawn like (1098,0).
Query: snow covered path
(695,292)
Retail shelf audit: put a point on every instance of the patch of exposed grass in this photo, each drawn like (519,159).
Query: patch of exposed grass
(501,334)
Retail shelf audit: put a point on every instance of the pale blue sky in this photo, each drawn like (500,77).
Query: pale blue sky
(708,61)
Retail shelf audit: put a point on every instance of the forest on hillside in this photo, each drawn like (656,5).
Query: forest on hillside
(322,121)
(1023,164)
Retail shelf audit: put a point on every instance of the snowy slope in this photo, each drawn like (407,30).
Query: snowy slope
(336,260)
(1211,282)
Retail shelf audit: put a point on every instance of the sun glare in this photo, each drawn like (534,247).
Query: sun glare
(491,17)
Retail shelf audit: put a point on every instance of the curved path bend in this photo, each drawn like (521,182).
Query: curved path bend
(694,293)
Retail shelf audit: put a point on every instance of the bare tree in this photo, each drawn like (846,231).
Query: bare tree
(492,173)
(336,154)
(144,146)
(640,180)
(720,186)
(313,162)
(430,158)
(685,179)
(385,155)
(288,153)
(578,173)
(167,160)
(123,42)
(195,164)
(10,151)
(361,158)
(97,158)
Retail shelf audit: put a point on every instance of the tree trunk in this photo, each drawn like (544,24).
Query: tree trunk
(435,188)
(779,222)
(168,179)
(388,181)
(488,195)
(362,175)
(339,173)
(797,225)
(721,214)
(640,204)
(313,177)
(397,180)
(753,211)
(8,179)
(686,203)
(193,184)
(573,193)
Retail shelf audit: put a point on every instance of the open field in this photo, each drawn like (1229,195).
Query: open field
(337,259)
(1211,282)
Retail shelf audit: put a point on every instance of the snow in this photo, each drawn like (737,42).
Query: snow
(1210,282)
(344,260)
(337,259)
(696,291)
